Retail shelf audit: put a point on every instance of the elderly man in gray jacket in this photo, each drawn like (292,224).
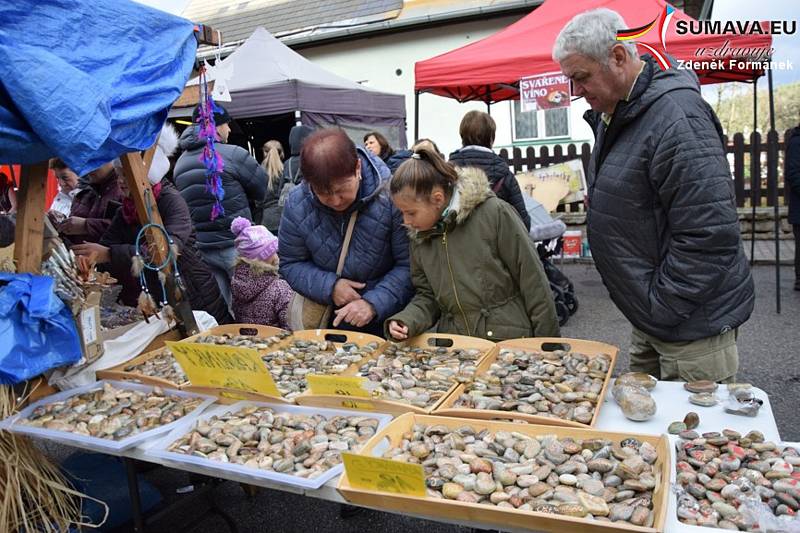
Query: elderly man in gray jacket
(662,218)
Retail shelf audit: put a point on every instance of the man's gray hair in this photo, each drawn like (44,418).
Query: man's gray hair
(593,34)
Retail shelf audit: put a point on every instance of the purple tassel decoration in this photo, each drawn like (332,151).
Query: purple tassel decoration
(211,159)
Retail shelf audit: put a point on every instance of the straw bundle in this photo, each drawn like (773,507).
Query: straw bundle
(34,495)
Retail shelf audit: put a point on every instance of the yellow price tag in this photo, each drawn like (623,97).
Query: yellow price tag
(384,475)
(357,404)
(228,367)
(339,385)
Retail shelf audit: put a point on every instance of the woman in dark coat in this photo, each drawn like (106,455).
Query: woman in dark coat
(117,249)
(477,137)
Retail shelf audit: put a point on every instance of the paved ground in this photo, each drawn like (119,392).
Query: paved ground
(770,358)
(764,251)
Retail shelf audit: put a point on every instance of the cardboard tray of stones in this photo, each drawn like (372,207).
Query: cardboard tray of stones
(567,377)
(515,496)
(414,376)
(248,439)
(326,351)
(705,517)
(159,367)
(113,413)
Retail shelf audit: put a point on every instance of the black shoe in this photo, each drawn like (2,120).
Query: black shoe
(797,284)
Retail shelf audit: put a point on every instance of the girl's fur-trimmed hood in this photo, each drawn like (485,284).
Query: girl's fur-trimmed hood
(472,189)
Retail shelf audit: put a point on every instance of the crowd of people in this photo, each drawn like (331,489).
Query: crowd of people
(326,237)
(400,242)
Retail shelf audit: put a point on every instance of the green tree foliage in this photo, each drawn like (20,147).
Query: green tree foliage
(733,104)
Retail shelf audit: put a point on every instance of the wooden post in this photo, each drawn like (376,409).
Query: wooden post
(135,170)
(29,234)
(142,194)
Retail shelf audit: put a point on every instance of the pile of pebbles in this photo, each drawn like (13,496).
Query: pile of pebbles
(288,443)
(595,479)
(164,366)
(290,364)
(418,376)
(718,473)
(557,384)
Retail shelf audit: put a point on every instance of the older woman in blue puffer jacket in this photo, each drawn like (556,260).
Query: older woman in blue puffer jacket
(338,179)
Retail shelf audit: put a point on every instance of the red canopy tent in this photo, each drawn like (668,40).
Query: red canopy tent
(489,70)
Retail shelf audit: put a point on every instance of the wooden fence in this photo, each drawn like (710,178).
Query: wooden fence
(739,151)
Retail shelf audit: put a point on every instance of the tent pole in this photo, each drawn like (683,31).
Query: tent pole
(297,120)
(773,170)
(753,178)
(416,115)
(488,101)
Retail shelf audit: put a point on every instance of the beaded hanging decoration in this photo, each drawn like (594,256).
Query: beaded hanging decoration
(210,158)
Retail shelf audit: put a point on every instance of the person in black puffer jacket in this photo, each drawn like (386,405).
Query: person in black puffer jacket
(244,182)
(477,137)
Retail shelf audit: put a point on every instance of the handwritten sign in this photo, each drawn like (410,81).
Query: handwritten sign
(561,183)
(545,91)
(356,404)
(384,475)
(339,385)
(228,367)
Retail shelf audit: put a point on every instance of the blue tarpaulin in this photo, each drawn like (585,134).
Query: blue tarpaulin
(37,331)
(87,80)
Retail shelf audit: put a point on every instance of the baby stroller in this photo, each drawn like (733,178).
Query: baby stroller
(546,233)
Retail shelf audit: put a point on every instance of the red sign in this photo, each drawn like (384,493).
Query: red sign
(545,91)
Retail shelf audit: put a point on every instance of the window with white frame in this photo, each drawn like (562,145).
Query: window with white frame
(541,124)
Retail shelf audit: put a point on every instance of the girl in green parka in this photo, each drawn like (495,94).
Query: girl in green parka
(474,268)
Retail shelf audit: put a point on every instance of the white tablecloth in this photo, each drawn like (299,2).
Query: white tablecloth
(672,404)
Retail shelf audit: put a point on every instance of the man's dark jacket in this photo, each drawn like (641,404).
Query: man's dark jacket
(662,219)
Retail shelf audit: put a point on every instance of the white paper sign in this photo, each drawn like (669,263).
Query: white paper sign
(89,326)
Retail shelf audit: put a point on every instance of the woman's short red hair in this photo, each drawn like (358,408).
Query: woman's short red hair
(327,156)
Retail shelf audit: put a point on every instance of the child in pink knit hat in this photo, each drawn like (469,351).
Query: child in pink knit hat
(259,295)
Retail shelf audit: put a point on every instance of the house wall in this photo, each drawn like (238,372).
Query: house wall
(374,61)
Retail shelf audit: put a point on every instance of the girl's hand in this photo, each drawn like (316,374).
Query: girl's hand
(398,330)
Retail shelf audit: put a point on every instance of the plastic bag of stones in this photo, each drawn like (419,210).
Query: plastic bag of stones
(287,443)
(419,376)
(556,384)
(719,472)
(594,478)
(290,364)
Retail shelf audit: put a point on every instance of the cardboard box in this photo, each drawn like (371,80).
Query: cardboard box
(572,246)
(87,320)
